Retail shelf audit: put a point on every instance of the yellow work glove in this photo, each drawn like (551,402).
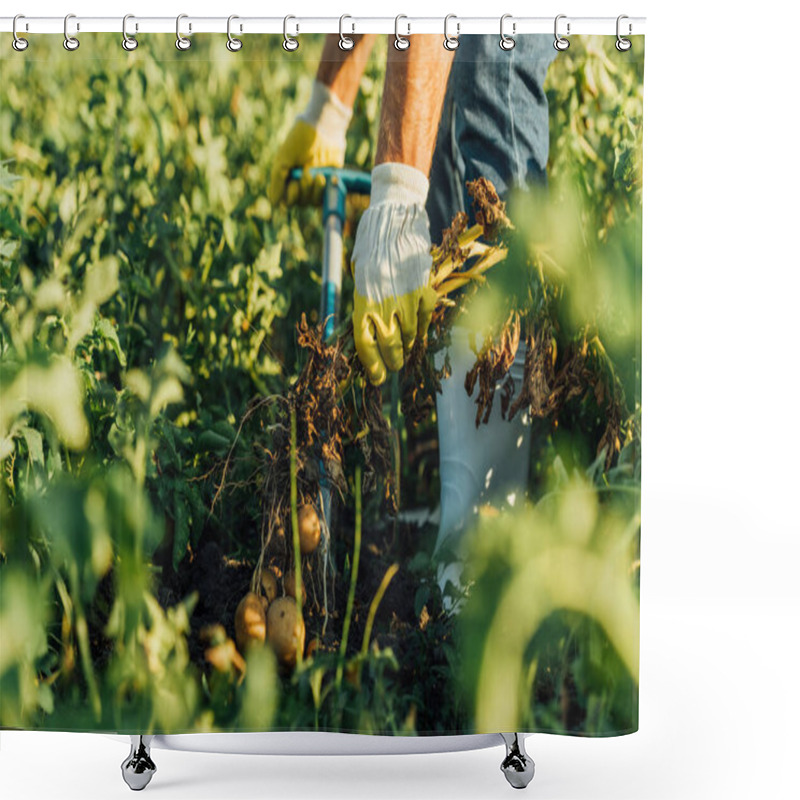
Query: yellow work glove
(317,139)
(391,262)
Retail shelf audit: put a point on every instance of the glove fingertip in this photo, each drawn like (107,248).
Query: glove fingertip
(427,305)
(372,363)
(376,373)
(366,343)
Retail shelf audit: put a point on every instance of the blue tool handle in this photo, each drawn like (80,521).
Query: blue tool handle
(353,181)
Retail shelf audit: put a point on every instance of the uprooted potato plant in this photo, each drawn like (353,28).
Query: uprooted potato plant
(340,415)
(337,410)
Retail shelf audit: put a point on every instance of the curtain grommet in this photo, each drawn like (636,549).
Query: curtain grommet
(623,44)
(181,42)
(129,42)
(559,42)
(345,42)
(507,42)
(290,43)
(233,44)
(18,43)
(71,43)
(401,42)
(451,42)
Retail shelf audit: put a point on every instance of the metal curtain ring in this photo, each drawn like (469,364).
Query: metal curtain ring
(451,42)
(182,43)
(290,44)
(400,42)
(70,42)
(560,43)
(129,43)
(622,43)
(506,42)
(233,44)
(345,42)
(19,44)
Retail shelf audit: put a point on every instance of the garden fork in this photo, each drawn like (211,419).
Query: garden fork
(338,184)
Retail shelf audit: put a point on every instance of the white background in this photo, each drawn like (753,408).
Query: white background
(720,708)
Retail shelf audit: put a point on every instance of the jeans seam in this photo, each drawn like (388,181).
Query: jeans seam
(518,176)
(457,176)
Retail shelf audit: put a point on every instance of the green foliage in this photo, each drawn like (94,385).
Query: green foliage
(595,96)
(23,632)
(143,292)
(592,219)
(548,627)
(554,609)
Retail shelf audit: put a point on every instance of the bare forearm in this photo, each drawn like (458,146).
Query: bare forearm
(341,70)
(413,94)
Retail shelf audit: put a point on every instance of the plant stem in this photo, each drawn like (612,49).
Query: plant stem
(351,595)
(376,601)
(82,634)
(298,580)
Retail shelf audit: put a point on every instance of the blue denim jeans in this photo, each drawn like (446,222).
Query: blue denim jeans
(494,122)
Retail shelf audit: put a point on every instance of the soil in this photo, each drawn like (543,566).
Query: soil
(220,583)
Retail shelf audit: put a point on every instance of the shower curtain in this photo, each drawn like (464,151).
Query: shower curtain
(320,403)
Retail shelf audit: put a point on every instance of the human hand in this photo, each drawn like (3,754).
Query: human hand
(317,139)
(391,262)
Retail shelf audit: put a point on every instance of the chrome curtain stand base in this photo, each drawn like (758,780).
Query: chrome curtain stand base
(517,766)
(138,768)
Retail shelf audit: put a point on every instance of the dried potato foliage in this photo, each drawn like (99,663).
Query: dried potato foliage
(547,387)
(377,445)
(490,210)
(325,413)
(421,380)
(451,246)
(542,390)
(491,368)
(322,421)
(610,397)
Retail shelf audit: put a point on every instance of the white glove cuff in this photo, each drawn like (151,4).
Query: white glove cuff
(398,183)
(326,112)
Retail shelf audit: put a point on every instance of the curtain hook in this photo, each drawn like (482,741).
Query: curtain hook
(129,42)
(400,42)
(506,41)
(451,42)
(290,44)
(622,43)
(70,42)
(560,43)
(19,44)
(233,44)
(345,42)
(182,43)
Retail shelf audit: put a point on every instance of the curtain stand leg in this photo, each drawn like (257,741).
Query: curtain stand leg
(517,766)
(138,768)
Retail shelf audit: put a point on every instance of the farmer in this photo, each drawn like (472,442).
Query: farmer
(447,117)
